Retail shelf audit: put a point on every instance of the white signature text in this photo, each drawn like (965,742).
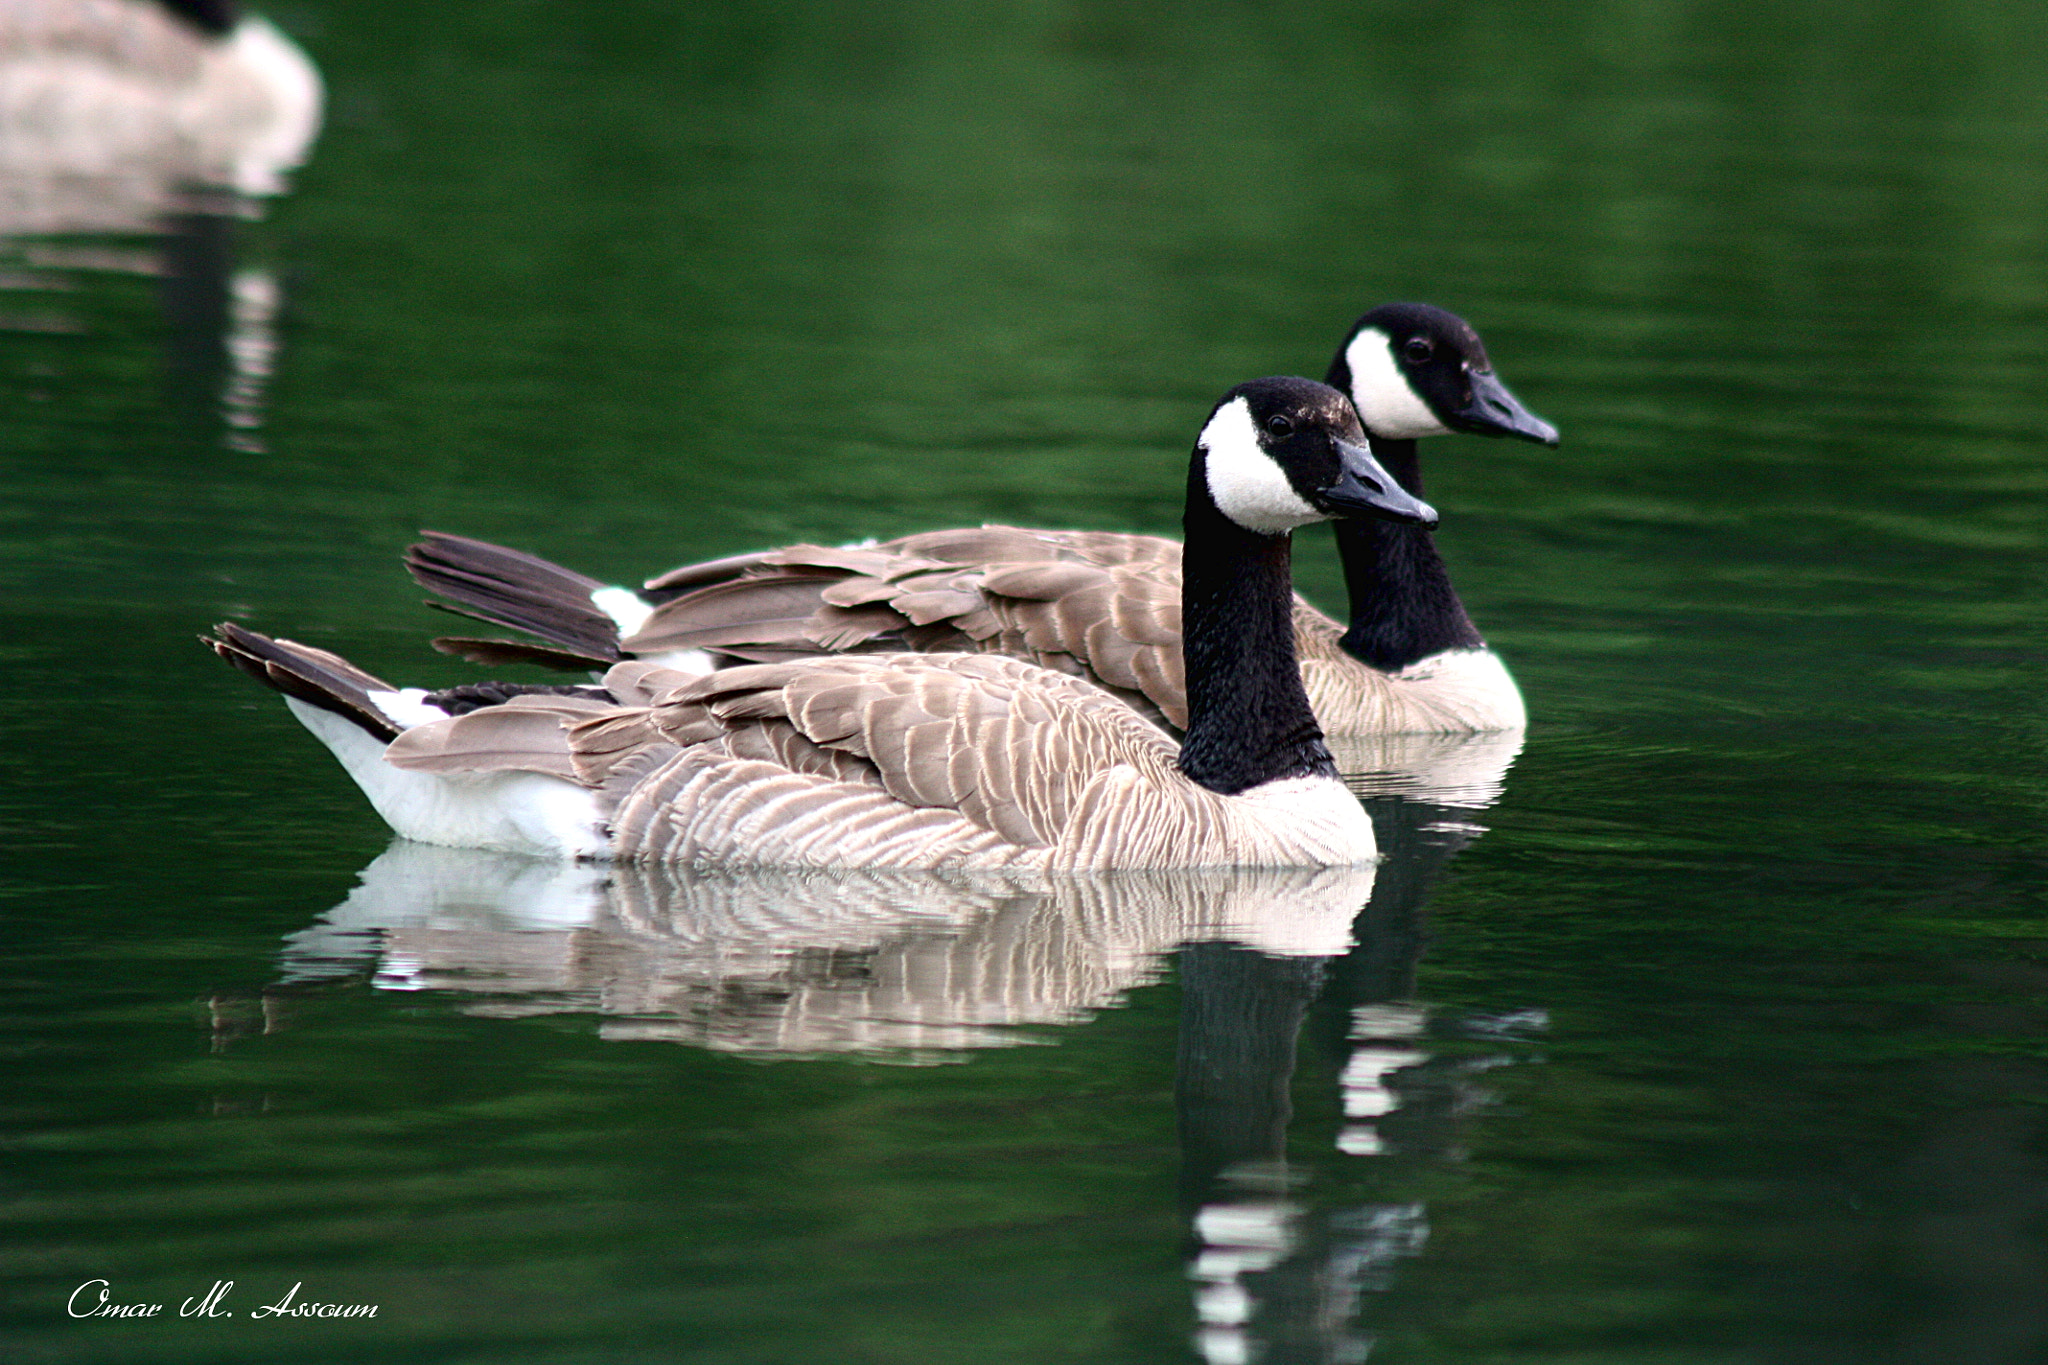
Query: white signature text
(95,1299)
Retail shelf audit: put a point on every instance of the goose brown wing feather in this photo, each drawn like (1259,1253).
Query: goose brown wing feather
(1100,605)
(1046,581)
(689,576)
(1111,654)
(861,590)
(1113,548)
(792,749)
(837,630)
(524,734)
(763,611)
(637,682)
(1315,629)
(1146,607)
(1159,675)
(1012,544)
(493,653)
(837,561)
(611,752)
(1119,626)
(991,741)
(881,561)
(982,545)
(530,731)
(931,599)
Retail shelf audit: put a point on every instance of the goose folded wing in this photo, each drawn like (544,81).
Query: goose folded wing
(882,758)
(1121,624)
(772,612)
(524,734)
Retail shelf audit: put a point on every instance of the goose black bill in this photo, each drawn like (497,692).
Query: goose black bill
(1493,411)
(1366,489)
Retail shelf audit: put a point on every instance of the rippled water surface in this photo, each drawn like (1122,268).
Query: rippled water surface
(1709,1027)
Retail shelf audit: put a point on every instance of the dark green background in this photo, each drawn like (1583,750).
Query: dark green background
(631,283)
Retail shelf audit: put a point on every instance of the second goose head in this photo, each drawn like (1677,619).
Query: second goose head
(1415,370)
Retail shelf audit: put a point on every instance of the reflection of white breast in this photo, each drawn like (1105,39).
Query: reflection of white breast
(1467,770)
(805,961)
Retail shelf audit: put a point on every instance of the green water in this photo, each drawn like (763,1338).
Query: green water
(1722,1041)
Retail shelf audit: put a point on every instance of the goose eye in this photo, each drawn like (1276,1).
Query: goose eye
(1418,350)
(1280,425)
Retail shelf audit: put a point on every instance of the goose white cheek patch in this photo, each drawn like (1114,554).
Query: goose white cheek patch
(1381,393)
(1247,484)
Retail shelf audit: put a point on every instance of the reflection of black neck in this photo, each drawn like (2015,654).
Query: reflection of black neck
(1248,718)
(1239,1013)
(1417,840)
(199,267)
(1403,607)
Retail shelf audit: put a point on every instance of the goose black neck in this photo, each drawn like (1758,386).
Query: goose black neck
(1249,720)
(1403,607)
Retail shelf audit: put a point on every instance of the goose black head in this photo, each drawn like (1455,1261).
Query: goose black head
(1283,452)
(1414,370)
(214,17)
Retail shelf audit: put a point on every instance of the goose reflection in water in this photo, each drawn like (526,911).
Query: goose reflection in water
(170,121)
(924,967)
(790,961)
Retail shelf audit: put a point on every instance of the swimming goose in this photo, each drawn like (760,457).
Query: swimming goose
(1103,605)
(912,760)
(111,109)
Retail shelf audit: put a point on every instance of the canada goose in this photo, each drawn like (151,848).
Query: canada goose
(1103,605)
(912,760)
(111,110)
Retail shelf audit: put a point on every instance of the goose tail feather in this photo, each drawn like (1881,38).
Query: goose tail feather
(523,592)
(308,675)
